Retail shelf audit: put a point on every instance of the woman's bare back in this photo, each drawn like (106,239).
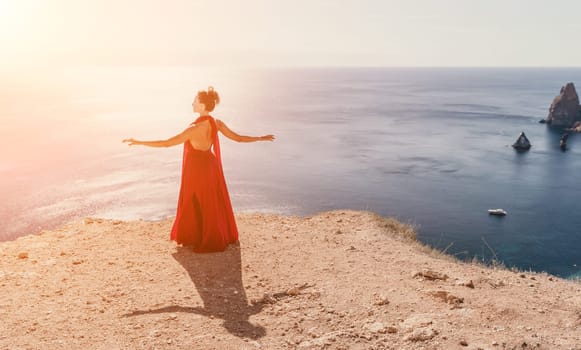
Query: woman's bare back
(201,136)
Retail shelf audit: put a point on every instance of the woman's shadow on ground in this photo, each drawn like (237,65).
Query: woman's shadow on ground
(217,279)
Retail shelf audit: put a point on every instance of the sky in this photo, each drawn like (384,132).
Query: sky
(291,33)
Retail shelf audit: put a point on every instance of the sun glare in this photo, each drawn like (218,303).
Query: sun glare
(7,11)
(21,29)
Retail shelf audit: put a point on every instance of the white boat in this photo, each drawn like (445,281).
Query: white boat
(499,212)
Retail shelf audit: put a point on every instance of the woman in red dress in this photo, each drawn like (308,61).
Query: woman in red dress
(204,220)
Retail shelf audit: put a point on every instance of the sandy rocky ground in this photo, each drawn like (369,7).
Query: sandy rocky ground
(337,280)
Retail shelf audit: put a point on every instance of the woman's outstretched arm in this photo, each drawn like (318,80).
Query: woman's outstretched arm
(241,138)
(172,141)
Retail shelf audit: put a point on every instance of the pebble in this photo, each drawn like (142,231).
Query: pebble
(376,327)
(430,275)
(23,255)
(381,300)
(422,334)
(293,291)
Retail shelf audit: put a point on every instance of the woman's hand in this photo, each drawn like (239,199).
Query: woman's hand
(266,138)
(132,142)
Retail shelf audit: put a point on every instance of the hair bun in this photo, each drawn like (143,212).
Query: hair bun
(213,94)
(209,98)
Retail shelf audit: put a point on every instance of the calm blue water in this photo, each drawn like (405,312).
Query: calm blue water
(427,146)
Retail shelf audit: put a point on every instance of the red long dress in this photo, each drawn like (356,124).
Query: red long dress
(204,220)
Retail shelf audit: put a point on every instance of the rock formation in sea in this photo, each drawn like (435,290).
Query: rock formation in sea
(522,143)
(576,127)
(563,141)
(565,109)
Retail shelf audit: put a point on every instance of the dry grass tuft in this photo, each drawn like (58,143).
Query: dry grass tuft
(399,229)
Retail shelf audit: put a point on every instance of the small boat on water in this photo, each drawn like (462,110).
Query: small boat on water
(497,212)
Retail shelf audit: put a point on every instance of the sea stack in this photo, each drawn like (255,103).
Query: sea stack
(576,127)
(565,109)
(563,141)
(522,143)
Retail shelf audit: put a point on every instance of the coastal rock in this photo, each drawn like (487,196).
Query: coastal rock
(293,291)
(381,300)
(565,109)
(422,334)
(522,143)
(376,327)
(563,141)
(418,321)
(447,297)
(431,275)
(576,127)
(467,283)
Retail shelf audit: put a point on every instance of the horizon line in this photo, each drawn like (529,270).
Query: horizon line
(218,65)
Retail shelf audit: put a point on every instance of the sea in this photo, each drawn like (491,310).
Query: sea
(428,146)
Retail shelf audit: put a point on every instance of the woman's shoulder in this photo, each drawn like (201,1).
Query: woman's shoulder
(198,126)
(201,121)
